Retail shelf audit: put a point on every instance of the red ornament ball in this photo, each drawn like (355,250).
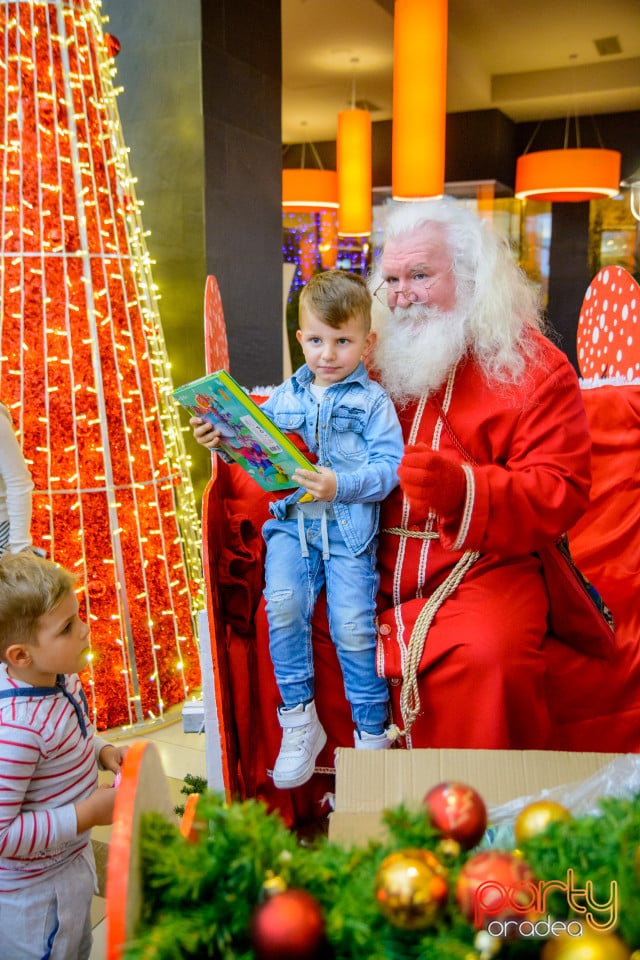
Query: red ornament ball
(458,812)
(495,885)
(288,926)
(112,45)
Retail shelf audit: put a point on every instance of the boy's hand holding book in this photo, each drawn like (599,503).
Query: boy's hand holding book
(205,433)
(224,418)
(321,483)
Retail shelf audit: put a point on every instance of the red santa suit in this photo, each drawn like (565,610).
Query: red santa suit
(479,677)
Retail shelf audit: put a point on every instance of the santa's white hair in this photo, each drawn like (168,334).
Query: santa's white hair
(496,305)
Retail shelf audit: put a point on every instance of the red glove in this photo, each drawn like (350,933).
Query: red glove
(432,482)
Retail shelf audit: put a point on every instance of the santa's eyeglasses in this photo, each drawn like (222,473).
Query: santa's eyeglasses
(387,292)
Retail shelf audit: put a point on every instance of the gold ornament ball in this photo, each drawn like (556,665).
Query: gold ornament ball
(448,850)
(273,884)
(590,945)
(536,817)
(411,888)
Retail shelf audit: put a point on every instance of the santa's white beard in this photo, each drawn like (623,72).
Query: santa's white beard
(416,350)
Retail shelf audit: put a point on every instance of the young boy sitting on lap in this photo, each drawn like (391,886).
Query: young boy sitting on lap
(49,757)
(350,424)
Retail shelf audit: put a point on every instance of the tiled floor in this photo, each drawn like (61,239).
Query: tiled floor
(181,753)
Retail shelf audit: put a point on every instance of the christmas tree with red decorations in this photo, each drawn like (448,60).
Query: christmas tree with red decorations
(83,364)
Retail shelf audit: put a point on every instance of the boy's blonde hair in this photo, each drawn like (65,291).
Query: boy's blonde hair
(335,296)
(30,587)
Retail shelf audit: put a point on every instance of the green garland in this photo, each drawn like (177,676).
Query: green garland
(192,784)
(199,897)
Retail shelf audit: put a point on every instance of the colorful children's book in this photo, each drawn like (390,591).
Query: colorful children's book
(249,437)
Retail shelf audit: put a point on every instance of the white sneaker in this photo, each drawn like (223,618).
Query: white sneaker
(371,741)
(302,740)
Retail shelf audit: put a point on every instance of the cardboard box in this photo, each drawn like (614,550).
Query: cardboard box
(193,716)
(370,781)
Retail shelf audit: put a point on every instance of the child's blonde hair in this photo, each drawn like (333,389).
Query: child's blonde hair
(30,587)
(335,296)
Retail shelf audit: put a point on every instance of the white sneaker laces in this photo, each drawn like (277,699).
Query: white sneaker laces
(292,739)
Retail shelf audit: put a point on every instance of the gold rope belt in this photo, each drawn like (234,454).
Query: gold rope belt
(410,694)
(416,534)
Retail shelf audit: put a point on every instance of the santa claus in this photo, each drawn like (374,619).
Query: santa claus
(496,468)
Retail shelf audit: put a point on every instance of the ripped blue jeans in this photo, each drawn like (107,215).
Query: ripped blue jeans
(293,583)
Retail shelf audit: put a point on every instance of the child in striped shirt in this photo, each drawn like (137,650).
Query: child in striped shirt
(49,793)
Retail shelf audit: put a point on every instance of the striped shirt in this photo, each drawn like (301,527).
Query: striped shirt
(48,762)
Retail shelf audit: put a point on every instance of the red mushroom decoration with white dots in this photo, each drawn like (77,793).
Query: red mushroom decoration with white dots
(609,327)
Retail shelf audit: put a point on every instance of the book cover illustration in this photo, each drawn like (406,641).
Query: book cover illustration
(249,437)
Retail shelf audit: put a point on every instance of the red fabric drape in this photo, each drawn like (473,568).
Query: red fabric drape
(605,544)
(606,541)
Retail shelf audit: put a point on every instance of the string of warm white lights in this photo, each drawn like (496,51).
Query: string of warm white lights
(83,362)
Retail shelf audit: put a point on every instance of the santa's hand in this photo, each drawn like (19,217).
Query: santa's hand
(432,482)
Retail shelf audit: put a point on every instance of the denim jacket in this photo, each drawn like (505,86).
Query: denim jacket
(355,432)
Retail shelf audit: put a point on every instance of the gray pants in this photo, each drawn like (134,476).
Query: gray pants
(51,919)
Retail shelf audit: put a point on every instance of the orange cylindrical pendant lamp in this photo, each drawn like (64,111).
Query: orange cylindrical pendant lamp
(305,191)
(328,239)
(419,98)
(354,173)
(560,176)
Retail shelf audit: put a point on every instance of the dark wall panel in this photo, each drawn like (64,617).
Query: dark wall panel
(480,146)
(159,70)
(160,106)
(243,161)
(569,274)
